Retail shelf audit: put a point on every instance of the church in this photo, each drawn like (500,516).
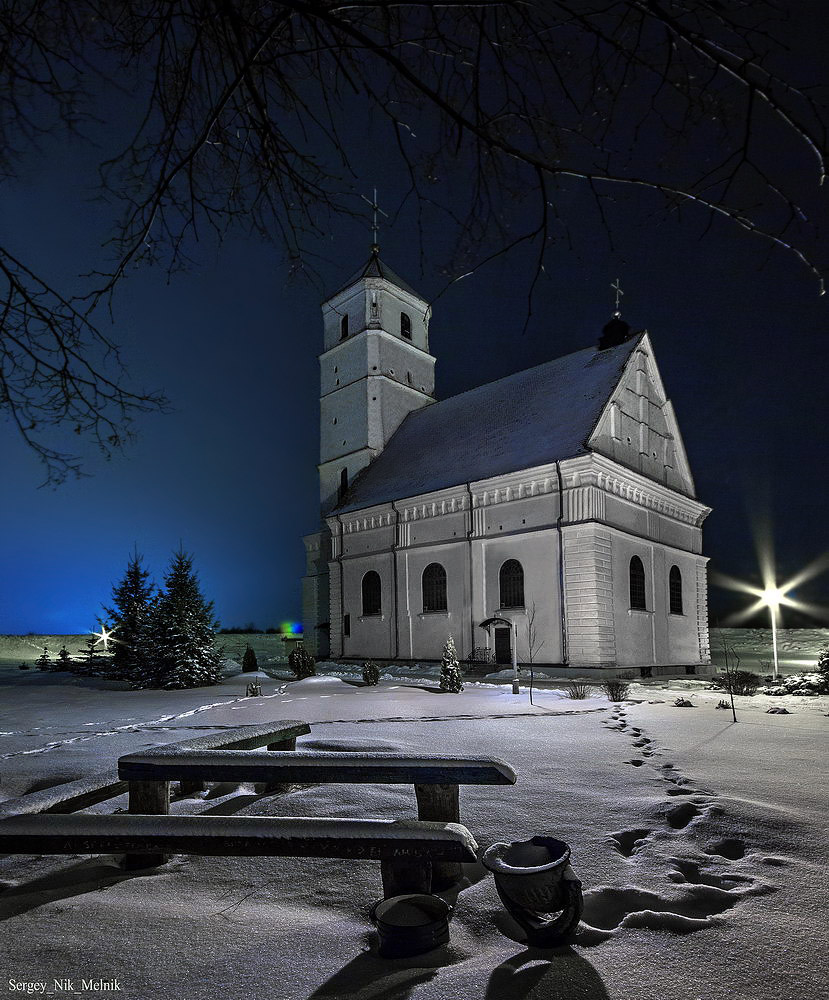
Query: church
(557,500)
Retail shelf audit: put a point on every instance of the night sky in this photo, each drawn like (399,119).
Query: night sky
(230,473)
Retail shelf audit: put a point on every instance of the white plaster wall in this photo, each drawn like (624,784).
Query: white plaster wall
(537,552)
(638,429)
(422,634)
(389,302)
(405,364)
(347,362)
(343,421)
(654,636)
(329,474)
(371,636)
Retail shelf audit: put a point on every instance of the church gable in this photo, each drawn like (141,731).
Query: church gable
(638,427)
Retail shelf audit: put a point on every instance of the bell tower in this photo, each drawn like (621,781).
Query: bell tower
(375,368)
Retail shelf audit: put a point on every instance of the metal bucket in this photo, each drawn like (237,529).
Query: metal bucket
(538,887)
(411,924)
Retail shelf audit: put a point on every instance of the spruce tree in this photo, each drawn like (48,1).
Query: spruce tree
(451,678)
(249,661)
(132,601)
(177,645)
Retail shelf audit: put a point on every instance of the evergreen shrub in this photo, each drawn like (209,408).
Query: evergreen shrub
(249,661)
(301,661)
(371,673)
(451,678)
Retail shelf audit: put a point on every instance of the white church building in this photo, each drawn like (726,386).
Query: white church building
(558,499)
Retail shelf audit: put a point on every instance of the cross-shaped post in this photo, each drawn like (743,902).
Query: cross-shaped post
(619,293)
(375,225)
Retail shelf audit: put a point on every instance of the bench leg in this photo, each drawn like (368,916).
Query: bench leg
(148,798)
(405,875)
(440,804)
(280,745)
(188,787)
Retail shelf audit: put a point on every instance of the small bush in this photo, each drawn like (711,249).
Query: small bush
(616,688)
(451,678)
(577,689)
(736,682)
(249,661)
(822,665)
(371,673)
(23,666)
(301,661)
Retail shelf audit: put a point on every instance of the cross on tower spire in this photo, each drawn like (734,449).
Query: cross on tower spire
(619,293)
(375,225)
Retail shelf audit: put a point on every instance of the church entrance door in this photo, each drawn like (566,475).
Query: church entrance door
(503,649)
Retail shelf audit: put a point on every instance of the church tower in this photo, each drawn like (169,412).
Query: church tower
(375,368)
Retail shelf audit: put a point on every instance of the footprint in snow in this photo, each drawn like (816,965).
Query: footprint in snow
(627,842)
(681,815)
(729,847)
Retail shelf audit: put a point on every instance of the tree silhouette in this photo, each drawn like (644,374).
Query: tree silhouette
(239,113)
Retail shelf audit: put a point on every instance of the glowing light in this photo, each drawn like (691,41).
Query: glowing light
(773,596)
(104,637)
(291,628)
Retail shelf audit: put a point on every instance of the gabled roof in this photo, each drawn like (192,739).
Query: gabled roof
(534,417)
(376,268)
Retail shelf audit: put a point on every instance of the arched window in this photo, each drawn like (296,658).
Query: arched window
(511,584)
(405,326)
(343,484)
(434,588)
(372,604)
(344,327)
(637,584)
(675,590)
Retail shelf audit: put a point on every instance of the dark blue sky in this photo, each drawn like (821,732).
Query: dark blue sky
(231,472)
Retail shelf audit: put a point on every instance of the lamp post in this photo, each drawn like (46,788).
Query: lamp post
(771,598)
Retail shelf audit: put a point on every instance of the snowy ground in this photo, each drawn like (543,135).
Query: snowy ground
(702,846)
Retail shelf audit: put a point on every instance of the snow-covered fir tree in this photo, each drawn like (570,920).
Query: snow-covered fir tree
(451,678)
(177,646)
(132,601)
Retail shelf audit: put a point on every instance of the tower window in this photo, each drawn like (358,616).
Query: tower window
(405,326)
(372,604)
(343,484)
(434,588)
(346,625)
(409,377)
(511,584)
(637,585)
(675,590)
(344,327)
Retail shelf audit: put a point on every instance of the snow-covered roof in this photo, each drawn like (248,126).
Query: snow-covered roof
(376,268)
(531,418)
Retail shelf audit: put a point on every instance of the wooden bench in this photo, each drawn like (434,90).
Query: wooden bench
(436,779)
(68,797)
(406,849)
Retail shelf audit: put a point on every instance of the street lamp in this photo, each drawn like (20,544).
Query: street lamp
(772,598)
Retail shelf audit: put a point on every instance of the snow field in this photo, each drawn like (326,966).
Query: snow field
(701,845)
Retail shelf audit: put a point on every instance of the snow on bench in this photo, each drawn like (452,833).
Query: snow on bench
(436,778)
(405,848)
(68,797)
(309,766)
